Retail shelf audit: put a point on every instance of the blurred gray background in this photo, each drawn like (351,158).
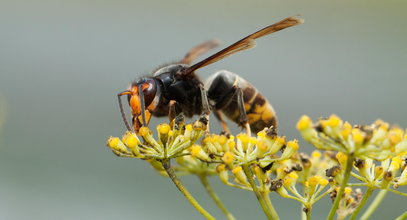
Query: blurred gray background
(63,62)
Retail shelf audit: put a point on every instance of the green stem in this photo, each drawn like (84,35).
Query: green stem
(373,206)
(309,214)
(204,180)
(368,193)
(266,197)
(397,192)
(402,216)
(260,196)
(345,179)
(304,215)
(180,186)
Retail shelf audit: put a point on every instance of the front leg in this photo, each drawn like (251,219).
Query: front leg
(243,116)
(206,110)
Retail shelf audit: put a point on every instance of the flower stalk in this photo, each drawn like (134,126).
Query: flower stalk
(263,198)
(374,205)
(167,166)
(215,197)
(348,169)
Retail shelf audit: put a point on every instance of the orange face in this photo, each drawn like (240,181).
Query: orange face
(149,92)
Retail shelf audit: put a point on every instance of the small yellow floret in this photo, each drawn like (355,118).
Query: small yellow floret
(341,157)
(304,123)
(214,138)
(279,170)
(144,131)
(314,180)
(116,144)
(396,162)
(293,175)
(382,125)
(231,145)
(395,135)
(334,121)
(262,146)
(244,138)
(261,134)
(316,154)
(113,142)
(188,127)
(170,133)
(323,182)
(280,140)
(195,150)
(346,129)
(253,140)
(228,157)
(163,128)
(378,171)
(222,139)
(293,144)
(288,181)
(348,190)
(220,168)
(357,136)
(130,139)
(237,169)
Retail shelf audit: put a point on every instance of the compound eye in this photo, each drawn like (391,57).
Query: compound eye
(149,88)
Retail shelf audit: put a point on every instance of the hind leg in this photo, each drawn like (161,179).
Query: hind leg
(226,96)
(219,116)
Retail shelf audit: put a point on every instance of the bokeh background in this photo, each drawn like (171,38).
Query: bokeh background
(63,62)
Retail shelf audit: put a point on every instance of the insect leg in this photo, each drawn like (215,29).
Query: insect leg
(219,116)
(204,97)
(122,110)
(205,105)
(172,113)
(143,106)
(243,116)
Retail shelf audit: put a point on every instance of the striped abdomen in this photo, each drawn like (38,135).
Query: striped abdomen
(222,94)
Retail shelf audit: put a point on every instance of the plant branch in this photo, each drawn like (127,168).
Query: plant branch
(344,182)
(368,193)
(260,197)
(167,166)
(402,216)
(204,180)
(373,206)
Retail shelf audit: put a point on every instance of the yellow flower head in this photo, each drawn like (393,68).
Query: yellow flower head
(341,157)
(130,139)
(346,129)
(304,123)
(228,157)
(358,136)
(348,190)
(293,144)
(316,154)
(334,121)
(237,169)
(261,134)
(144,131)
(195,150)
(314,180)
(222,139)
(163,128)
(395,135)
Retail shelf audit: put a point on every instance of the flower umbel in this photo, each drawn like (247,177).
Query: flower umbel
(375,155)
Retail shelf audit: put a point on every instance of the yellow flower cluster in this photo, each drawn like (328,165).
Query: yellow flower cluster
(374,154)
(171,142)
(378,141)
